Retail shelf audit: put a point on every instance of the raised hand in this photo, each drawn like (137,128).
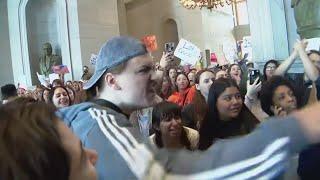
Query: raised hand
(253,89)
(166,58)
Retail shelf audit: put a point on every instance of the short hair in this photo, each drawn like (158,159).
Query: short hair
(8,91)
(198,74)
(31,147)
(100,83)
(268,89)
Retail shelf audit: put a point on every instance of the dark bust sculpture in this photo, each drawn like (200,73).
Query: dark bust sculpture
(307,16)
(47,60)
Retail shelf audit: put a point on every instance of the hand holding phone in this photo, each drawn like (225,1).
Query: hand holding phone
(169,47)
(253,75)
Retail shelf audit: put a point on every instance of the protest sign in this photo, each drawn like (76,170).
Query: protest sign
(187,52)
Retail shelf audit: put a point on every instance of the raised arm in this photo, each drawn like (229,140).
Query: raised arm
(309,69)
(286,64)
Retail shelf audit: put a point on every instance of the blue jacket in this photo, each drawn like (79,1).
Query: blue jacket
(123,155)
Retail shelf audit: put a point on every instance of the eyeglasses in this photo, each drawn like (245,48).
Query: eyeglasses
(270,67)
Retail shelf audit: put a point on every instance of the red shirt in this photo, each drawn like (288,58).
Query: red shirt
(183,98)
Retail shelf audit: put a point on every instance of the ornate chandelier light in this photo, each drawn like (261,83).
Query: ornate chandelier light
(210,4)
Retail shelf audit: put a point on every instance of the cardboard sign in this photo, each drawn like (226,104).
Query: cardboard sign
(93,59)
(60,69)
(53,77)
(313,44)
(150,42)
(187,52)
(213,57)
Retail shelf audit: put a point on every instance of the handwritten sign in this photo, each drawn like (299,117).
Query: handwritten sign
(313,44)
(43,80)
(93,59)
(187,52)
(53,77)
(213,58)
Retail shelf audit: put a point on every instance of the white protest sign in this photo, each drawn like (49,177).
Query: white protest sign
(93,59)
(53,77)
(187,52)
(42,79)
(313,44)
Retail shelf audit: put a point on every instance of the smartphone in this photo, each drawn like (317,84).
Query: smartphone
(169,47)
(253,75)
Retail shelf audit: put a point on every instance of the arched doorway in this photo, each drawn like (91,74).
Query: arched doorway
(170,34)
(170,31)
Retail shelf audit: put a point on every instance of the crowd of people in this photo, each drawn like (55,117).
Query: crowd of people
(137,119)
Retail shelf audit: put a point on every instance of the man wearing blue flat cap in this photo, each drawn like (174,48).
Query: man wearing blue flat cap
(125,78)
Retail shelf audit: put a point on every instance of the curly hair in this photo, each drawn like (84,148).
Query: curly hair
(268,89)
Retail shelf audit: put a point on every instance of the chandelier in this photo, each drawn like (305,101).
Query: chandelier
(210,4)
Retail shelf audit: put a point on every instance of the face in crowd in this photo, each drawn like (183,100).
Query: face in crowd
(192,77)
(44,146)
(182,82)
(165,85)
(269,68)
(235,71)
(224,99)
(229,103)
(136,83)
(315,59)
(221,74)
(278,97)
(284,98)
(71,94)
(45,95)
(167,123)
(75,86)
(60,97)
(171,127)
(38,93)
(21,92)
(206,79)
(172,74)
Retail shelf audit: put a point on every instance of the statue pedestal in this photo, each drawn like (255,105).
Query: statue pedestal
(307,16)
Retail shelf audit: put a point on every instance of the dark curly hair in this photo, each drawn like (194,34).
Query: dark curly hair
(267,92)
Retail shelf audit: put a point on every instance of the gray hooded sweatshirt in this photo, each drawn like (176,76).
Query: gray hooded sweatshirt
(124,154)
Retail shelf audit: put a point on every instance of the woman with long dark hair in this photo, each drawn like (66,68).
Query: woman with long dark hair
(227,116)
(169,132)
